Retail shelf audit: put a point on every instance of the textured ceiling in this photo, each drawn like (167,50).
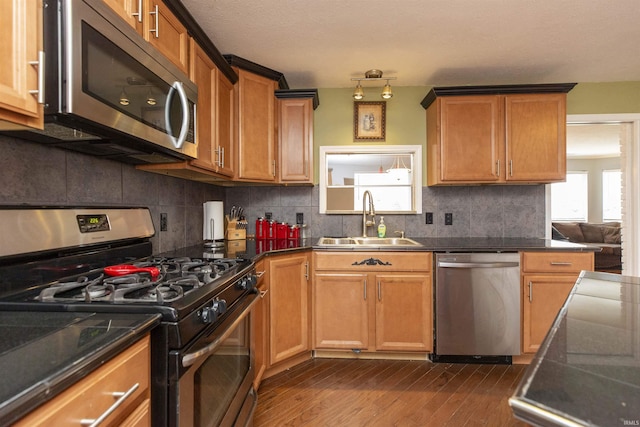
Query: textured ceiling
(324,43)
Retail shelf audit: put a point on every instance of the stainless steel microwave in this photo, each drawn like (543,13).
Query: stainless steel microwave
(108,92)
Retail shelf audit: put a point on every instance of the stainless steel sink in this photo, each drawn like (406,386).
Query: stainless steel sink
(367,242)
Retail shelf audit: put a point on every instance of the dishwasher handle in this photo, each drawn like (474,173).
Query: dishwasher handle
(448,264)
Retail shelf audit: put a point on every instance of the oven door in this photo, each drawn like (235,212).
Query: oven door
(212,382)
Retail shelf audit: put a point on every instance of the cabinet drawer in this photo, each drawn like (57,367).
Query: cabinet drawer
(94,395)
(373,261)
(561,262)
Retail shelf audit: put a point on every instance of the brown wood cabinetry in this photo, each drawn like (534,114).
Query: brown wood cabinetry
(21,52)
(295,135)
(547,280)
(255,124)
(260,324)
(127,373)
(373,301)
(289,293)
(502,135)
(155,22)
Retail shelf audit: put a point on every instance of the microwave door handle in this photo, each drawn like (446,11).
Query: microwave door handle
(177,87)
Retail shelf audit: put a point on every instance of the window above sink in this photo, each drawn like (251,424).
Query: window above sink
(393,175)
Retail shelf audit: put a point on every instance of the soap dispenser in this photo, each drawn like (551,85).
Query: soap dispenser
(382,229)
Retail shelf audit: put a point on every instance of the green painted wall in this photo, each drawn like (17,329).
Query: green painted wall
(406,119)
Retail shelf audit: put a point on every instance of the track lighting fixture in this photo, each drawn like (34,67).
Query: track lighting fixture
(372,75)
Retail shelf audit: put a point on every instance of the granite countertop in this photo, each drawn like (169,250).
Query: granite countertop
(587,370)
(254,249)
(42,353)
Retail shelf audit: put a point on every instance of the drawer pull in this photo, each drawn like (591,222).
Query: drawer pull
(260,273)
(371,261)
(561,263)
(122,396)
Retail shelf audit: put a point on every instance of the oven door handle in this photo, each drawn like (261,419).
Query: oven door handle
(191,358)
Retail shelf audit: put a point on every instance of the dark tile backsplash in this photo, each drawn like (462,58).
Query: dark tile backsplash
(34,174)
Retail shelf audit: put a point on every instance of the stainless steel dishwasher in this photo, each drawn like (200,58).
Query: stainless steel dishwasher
(477,309)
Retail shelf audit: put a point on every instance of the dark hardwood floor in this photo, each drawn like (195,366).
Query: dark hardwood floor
(346,392)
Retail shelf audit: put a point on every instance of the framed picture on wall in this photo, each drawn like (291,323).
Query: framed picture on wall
(369,121)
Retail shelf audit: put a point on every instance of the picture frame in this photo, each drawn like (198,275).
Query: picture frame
(369,120)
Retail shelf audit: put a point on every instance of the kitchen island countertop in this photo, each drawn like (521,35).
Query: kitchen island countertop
(587,370)
(42,353)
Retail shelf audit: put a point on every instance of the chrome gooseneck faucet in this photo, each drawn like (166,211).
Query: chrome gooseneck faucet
(366,223)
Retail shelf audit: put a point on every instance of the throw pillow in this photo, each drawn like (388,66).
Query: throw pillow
(570,230)
(611,235)
(592,232)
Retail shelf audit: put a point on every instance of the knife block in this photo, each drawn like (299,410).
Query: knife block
(232,230)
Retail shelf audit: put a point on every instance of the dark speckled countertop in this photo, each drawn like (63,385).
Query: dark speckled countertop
(42,353)
(587,370)
(251,248)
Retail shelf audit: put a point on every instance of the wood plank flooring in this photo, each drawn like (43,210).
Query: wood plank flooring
(347,392)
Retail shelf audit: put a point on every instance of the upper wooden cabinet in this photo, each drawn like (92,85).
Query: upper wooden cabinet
(155,22)
(496,135)
(215,114)
(295,135)
(21,52)
(255,125)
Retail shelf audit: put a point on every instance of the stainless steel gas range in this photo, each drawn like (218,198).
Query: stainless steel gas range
(101,260)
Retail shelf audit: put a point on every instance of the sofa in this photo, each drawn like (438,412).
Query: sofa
(605,236)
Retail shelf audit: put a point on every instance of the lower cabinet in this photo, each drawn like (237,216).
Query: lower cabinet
(260,324)
(547,280)
(372,301)
(94,395)
(285,312)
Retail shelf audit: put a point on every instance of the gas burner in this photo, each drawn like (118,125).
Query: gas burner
(67,290)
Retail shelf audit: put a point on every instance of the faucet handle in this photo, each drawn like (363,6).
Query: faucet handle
(401,233)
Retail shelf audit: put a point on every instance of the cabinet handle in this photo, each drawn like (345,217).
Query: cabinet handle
(510,167)
(379,291)
(274,168)
(263,293)
(139,12)
(365,289)
(222,157)
(530,291)
(40,65)
(122,397)
(558,263)
(306,270)
(259,274)
(498,168)
(155,31)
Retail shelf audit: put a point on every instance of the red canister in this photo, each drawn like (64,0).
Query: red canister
(294,232)
(261,228)
(282,230)
(271,229)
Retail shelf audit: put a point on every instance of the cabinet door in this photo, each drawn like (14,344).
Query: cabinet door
(21,34)
(130,11)
(256,127)
(295,136)
(166,33)
(542,299)
(535,126)
(340,310)
(224,114)
(471,138)
(288,307)
(204,75)
(403,312)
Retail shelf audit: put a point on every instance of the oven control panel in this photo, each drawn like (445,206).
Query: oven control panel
(93,223)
